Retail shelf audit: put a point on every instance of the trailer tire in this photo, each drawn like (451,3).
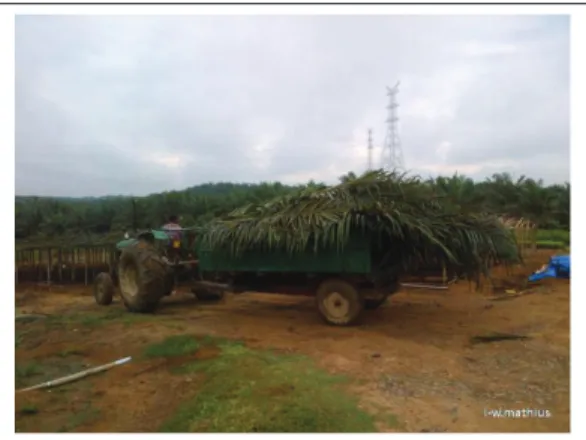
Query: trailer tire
(339,302)
(103,289)
(143,277)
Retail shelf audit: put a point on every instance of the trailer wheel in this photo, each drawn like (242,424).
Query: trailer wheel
(143,277)
(339,302)
(103,289)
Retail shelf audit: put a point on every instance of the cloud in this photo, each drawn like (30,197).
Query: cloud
(111,105)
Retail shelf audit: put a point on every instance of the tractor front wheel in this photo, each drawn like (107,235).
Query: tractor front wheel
(103,289)
(339,302)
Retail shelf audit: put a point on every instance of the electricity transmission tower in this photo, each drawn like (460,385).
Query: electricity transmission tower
(392,154)
(370,149)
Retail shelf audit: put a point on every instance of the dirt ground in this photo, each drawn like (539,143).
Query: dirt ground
(413,358)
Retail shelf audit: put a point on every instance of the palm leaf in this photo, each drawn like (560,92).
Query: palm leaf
(401,214)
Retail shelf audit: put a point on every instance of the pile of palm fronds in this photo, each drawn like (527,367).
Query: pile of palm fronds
(407,223)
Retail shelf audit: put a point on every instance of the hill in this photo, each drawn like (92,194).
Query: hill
(48,218)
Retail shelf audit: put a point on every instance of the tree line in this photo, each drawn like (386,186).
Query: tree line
(91,219)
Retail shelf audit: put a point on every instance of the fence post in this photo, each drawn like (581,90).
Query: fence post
(49,265)
(60,263)
(85,257)
(73,263)
(94,259)
(16,266)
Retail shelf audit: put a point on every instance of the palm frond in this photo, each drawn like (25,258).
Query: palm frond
(406,221)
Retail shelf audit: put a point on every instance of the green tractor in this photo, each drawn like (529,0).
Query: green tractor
(147,268)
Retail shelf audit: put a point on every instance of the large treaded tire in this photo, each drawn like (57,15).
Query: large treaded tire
(339,302)
(143,277)
(103,289)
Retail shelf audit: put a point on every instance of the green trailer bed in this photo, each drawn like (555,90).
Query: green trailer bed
(355,258)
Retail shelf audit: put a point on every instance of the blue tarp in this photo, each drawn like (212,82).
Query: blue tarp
(558,267)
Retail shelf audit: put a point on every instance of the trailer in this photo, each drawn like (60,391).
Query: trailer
(344,281)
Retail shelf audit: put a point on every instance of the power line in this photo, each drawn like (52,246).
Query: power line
(392,154)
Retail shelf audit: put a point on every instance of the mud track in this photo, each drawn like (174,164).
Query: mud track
(413,357)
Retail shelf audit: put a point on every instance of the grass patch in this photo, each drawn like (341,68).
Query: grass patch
(70,352)
(244,390)
(53,367)
(28,410)
(79,418)
(93,319)
(19,338)
(391,421)
(557,235)
(550,244)
(26,371)
(173,346)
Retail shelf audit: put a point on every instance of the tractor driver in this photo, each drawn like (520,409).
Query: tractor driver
(173,228)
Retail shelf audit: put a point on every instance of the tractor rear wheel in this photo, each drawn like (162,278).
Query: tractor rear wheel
(339,302)
(103,289)
(143,277)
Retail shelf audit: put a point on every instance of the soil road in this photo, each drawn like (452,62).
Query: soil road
(413,357)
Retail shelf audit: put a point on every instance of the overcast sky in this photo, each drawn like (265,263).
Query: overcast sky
(135,105)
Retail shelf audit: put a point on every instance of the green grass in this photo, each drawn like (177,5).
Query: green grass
(551,244)
(80,417)
(26,371)
(392,421)
(97,319)
(244,390)
(70,352)
(49,368)
(173,346)
(19,337)
(553,235)
(28,410)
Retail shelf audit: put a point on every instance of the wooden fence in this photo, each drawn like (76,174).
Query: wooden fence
(70,265)
(63,265)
